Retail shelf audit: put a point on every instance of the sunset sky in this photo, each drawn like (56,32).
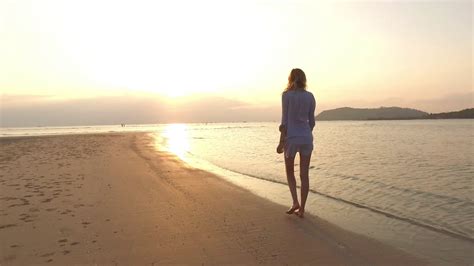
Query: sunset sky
(201,54)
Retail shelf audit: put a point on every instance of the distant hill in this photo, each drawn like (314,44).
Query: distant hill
(466,113)
(382,113)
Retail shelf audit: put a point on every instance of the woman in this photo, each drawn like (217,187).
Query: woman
(297,122)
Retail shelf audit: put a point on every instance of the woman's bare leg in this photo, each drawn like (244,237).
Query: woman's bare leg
(304,175)
(290,176)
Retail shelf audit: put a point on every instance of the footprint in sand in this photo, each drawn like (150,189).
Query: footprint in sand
(47,255)
(65,212)
(7,226)
(8,198)
(23,202)
(26,217)
(46,200)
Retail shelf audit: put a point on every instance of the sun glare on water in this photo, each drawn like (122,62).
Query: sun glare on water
(176,139)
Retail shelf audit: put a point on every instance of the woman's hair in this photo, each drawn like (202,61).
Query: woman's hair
(296,80)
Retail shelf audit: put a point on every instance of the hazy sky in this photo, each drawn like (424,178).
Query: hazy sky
(67,54)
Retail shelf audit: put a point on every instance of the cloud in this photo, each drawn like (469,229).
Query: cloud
(28,110)
(25,99)
(450,102)
(36,110)
(73,112)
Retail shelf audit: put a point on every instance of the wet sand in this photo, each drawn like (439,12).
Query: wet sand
(112,198)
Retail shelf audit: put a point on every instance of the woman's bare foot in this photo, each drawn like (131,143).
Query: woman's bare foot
(293,209)
(300,212)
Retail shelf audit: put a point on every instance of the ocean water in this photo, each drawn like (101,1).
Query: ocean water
(415,179)
(407,183)
(420,171)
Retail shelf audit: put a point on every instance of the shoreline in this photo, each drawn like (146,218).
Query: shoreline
(112,198)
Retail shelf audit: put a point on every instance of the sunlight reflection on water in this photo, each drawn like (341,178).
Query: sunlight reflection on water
(177,141)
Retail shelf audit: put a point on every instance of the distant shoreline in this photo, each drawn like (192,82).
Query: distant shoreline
(395,119)
(389,113)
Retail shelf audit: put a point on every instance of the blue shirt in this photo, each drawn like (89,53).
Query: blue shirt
(298,116)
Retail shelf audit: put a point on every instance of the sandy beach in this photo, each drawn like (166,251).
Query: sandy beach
(114,199)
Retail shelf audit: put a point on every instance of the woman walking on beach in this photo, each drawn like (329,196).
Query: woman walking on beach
(297,123)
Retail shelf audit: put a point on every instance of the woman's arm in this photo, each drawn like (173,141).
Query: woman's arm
(311,112)
(283,125)
(284,111)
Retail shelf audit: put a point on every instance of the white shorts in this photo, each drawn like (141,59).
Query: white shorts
(292,149)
